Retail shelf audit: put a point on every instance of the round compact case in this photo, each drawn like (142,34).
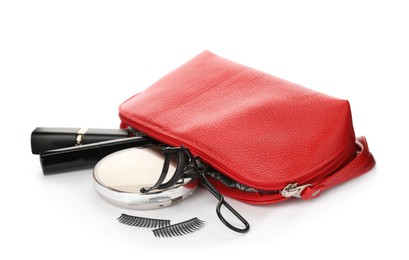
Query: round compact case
(124,177)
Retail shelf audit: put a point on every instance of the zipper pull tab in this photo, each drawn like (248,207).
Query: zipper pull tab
(292,190)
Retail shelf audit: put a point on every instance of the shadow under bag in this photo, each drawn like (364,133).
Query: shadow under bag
(262,139)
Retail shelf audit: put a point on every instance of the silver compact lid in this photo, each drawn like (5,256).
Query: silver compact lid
(119,177)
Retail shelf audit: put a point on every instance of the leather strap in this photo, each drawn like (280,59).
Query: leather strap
(358,166)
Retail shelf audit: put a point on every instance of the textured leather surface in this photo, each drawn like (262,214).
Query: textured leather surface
(363,162)
(257,129)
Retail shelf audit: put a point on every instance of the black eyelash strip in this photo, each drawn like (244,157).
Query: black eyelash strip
(179,229)
(143,222)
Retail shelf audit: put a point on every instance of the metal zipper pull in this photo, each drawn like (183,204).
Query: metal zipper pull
(292,190)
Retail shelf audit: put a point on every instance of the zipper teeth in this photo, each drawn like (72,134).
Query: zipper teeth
(275,195)
(248,196)
(324,171)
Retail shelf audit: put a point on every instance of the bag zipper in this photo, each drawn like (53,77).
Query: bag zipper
(265,195)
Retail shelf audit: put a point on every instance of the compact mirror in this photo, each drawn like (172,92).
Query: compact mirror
(120,176)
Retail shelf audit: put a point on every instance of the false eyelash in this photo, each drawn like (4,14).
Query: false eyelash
(143,222)
(179,229)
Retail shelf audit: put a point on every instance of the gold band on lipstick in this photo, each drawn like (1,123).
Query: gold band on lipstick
(80,134)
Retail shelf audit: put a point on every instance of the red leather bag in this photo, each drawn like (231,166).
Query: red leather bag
(272,137)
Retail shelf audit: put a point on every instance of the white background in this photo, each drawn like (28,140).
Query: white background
(71,63)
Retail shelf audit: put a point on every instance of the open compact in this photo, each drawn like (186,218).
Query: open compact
(122,178)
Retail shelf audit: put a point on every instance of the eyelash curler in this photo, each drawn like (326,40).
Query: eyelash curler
(189,167)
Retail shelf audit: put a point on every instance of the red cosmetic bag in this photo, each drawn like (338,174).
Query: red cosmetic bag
(269,138)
